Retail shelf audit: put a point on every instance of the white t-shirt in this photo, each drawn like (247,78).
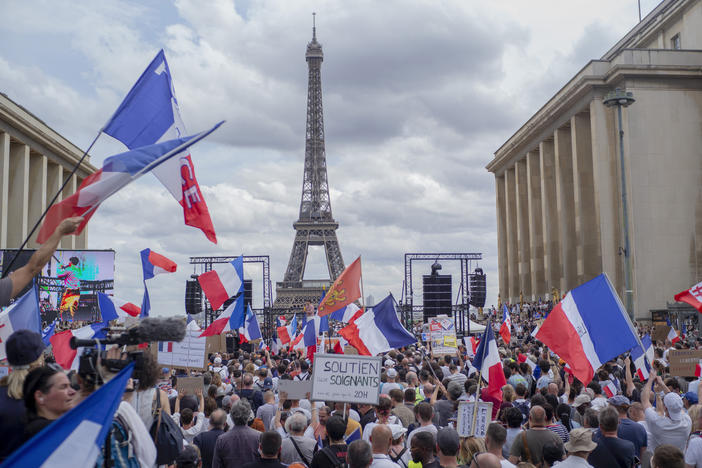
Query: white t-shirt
(507,464)
(693,454)
(663,430)
(430,428)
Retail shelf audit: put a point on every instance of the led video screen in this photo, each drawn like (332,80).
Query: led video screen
(69,283)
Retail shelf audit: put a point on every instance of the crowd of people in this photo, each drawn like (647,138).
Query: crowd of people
(241,418)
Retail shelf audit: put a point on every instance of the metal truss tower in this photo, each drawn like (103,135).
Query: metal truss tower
(315,226)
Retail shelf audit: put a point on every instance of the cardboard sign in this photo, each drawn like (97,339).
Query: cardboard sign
(189,385)
(660,333)
(442,335)
(683,362)
(345,378)
(216,344)
(189,353)
(295,389)
(464,424)
(348,349)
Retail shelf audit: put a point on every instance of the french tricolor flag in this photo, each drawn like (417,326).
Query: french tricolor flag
(286,334)
(588,328)
(251,331)
(648,348)
(113,308)
(67,357)
(346,314)
(487,362)
(231,319)
(116,173)
(506,327)
(223,282)
(643,369)
(610,389)
(22,314)
(377,330)
(698,369)
(672,334)
(153,264)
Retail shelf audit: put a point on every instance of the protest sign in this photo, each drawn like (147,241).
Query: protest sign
(346,378)
(190,385)
(660,333)
(442,333)
(189,353)
(464,424)
(216,344)
(295,389)
(683,362)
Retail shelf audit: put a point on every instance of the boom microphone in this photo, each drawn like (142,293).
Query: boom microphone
(147,330)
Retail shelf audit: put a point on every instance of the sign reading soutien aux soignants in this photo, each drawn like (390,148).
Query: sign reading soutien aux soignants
(344,378)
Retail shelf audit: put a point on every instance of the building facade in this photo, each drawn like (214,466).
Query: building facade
(559,184)
(34,162)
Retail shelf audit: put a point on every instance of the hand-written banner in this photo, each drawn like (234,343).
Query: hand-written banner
(349,379)
(464,424)
(188,353)
(683,362)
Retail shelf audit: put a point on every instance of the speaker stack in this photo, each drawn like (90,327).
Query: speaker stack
(193,297)
(478,287)
(437,295)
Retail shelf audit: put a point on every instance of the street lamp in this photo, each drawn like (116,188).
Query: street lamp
(620,98)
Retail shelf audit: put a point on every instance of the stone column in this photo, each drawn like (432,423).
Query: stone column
(549,210)
(69,242)
(18,197)
(587,233)
(565,207)
(536,238)
(4,186)
(37,196)
(503,261)
(524,252)
(607,199)
(511,230)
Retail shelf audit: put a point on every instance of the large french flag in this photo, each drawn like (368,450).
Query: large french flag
(641,363)
(117,172)
(150,114)
(487,362)
(22,314)
(251,331)
(153,264)
(673,336)
(692,296)
(75,439)
(113,308)
(588,328)
(377,330)
(506,327)
(231,319)
(225,281)
(347,313)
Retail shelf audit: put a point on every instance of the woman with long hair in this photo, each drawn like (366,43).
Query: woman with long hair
(24,349)
(47,396)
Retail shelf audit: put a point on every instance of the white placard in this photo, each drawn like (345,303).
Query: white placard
(295,389)
(188,353)
(464,425)
(348,379)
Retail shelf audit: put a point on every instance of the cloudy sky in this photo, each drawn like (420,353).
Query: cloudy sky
(417,97)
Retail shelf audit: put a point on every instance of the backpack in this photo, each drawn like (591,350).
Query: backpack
(250,397)
(166,434)
(121,451)
(398,459)
(336,463)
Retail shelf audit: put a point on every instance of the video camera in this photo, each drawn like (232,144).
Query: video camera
(146,331)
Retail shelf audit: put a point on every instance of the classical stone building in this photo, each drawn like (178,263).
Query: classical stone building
(559,184)
(34,162)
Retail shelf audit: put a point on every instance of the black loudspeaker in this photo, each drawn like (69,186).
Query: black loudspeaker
(478,288)
(232,344)
(193,297)
(437,295)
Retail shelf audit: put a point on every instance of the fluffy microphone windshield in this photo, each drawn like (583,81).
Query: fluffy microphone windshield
(159,329)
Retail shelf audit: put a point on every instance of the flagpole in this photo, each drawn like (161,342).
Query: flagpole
(49,205)
(475,405)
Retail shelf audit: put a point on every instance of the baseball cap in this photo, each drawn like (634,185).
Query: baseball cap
(397,430)
(267,383)
(619,400)
(23,347)
(218,360)
(389,363)
(673,403)
(392,373)
(691,397)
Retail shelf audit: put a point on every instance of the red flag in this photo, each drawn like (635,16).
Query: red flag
(344,291)
(692,296)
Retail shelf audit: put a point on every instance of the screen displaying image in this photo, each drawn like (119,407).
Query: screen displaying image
(69,283)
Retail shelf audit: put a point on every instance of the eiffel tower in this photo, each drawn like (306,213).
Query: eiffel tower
(315,226)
